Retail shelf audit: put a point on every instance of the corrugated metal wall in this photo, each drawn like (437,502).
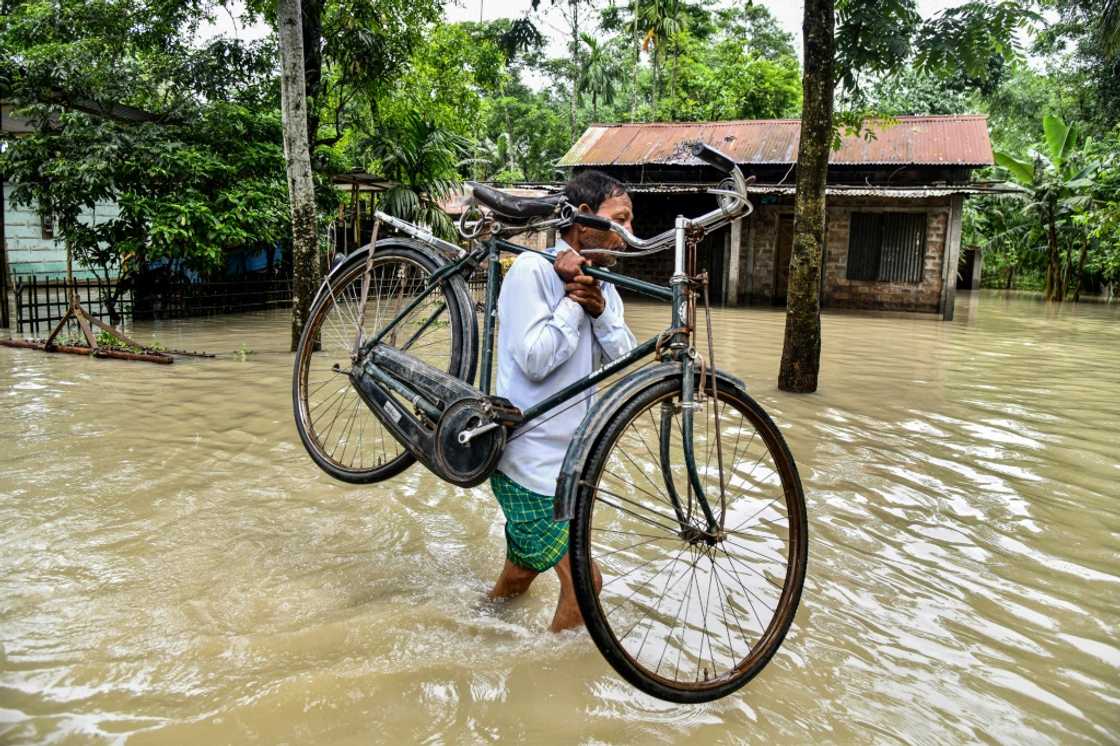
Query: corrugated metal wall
(887,246)
(863,246)
(903,247)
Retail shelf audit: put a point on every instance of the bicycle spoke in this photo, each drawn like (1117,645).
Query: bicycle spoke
(636,515)
(336,420)
(630,533)
(657,605)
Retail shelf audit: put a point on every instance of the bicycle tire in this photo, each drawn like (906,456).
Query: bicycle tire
(461,356)
(606,632)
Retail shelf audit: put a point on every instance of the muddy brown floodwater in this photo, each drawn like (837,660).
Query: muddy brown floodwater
(174,569)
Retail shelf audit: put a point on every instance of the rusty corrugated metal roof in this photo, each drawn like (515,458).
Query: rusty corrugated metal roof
(941,141)
(837,190)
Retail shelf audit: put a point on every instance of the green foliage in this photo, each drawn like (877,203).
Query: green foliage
(873,37)
(910,91)
(1063,202)
(421,160)
(1102,223)
(722,78)
(110,340)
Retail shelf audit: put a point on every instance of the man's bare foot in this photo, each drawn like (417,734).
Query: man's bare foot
(513,581)
(568,615)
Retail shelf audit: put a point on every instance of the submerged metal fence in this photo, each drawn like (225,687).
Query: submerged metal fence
(175,300)
(41,302)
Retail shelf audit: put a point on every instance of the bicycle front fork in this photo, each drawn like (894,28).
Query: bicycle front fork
(680,349)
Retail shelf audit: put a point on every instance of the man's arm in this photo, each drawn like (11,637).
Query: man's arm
(541,338)
(610,327)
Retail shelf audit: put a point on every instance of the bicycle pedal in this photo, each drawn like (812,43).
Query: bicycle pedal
(505,412)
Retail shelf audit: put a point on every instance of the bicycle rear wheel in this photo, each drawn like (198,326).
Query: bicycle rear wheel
(679,618)
(342,436)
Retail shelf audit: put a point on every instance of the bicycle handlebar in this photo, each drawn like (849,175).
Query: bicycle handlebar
(732,204)
(592,221)
(713,157)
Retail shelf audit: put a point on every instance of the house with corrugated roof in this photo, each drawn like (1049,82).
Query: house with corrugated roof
(895,197)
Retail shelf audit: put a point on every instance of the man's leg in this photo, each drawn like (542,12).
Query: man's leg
(526,513)
(567,613)
(513,581)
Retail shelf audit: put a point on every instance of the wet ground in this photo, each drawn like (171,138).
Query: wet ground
(174,568)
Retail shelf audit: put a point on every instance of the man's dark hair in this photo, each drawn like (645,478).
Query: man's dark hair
(592,188)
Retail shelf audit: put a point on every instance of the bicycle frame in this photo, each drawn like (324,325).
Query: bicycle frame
(674,339)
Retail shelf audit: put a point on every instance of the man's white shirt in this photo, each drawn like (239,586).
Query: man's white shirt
(546,341)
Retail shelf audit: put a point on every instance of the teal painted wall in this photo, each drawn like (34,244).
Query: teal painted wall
(31,254)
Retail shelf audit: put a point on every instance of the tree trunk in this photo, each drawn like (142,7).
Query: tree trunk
(1067,282)
(1054,268)
(673,85)
(801,350)
(312,33)
(509,137)
(301,187)
(1080,270)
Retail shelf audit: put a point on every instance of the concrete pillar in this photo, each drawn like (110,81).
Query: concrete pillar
(736,240)
(952,257)
(749,289)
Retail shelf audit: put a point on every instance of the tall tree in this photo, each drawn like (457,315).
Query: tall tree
(301,186)
(801,349)
(598,74)
(873,36)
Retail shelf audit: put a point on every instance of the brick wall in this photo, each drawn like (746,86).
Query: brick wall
(838,291)
(760,237)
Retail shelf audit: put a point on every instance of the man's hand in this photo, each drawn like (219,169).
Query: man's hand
(585,291)
(569,265)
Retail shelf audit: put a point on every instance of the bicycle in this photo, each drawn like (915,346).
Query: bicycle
(653,496)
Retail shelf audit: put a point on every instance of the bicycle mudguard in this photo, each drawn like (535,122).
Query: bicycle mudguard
(564,502)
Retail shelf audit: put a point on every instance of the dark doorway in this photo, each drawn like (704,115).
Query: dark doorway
(969,269)
(782,252)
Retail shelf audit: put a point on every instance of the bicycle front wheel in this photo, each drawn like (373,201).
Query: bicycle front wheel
(679,617)
(339,432)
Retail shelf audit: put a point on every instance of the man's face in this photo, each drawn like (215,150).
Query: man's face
(618,208)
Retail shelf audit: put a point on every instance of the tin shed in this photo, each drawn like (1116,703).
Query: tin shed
(895,200)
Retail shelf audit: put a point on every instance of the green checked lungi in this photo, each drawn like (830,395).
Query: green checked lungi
(533,540)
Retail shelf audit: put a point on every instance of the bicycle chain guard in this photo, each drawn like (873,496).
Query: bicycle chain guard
(456,407)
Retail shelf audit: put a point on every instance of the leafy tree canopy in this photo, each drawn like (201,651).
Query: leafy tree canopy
(196,167)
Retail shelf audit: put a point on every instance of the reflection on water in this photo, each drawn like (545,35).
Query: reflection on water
(175,569)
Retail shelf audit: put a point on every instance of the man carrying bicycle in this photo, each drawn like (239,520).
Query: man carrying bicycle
(556,325)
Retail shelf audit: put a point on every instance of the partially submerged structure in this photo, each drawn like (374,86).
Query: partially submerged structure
(895,201)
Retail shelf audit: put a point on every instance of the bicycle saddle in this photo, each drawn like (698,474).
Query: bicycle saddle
(520,208)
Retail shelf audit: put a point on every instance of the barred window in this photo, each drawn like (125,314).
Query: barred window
(887,246)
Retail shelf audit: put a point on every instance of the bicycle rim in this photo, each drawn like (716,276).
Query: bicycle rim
(339,431)
(682,619)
